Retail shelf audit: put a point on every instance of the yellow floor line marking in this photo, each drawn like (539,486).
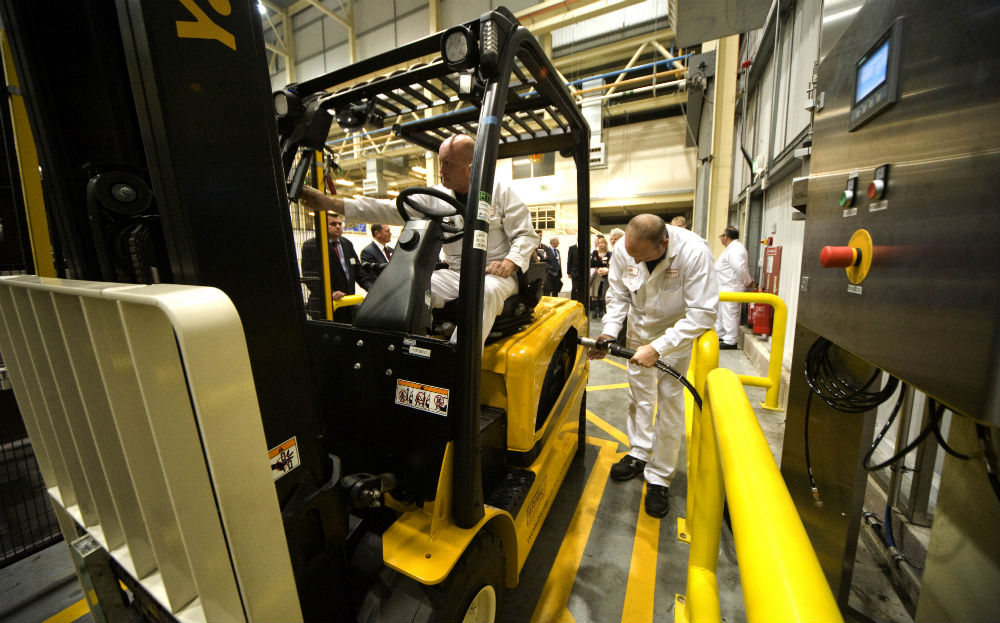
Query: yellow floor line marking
(641,584)
(552,602)
(69,614)
(595,388)
(613,363)
(609,429)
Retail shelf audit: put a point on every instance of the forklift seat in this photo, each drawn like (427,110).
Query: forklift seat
(517,308)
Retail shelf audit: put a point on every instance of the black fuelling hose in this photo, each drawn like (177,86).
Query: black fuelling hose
(628,353)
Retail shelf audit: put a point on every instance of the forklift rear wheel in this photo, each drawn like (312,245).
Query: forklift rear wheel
(473,591)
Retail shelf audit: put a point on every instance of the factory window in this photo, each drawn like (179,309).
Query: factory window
(543,217)
(535,165)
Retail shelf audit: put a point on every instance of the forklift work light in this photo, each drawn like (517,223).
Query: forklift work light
(287,104)
(458,48)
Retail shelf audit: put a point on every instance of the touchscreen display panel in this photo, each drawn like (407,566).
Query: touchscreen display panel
(872,72)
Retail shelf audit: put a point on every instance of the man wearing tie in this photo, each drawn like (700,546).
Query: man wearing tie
(344,269)
(553,272)
(377,252)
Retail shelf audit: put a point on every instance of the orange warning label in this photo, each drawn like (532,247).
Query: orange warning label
(284,458)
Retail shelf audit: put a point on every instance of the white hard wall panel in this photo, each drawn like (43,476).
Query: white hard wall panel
(380,40)
(334,34)
(789,235)
(516,6)
(459,11)
(406,6)
(412,27)
(310,68)
(807,27)
(308,41)
(615,21)
(338,57)
(305,17)
(765,94)
(370,15)
(781,93)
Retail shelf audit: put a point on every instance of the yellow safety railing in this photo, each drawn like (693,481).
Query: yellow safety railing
(729,458)
(771,382)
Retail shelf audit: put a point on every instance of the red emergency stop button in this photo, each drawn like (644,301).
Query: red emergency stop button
(876,189)
(839,257)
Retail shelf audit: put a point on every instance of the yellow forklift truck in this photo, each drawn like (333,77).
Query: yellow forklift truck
(423,468)
(461,468)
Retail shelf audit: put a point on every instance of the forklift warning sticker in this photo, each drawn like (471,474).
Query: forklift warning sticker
(479,240)
(284,458)
(485,211)
(423,397)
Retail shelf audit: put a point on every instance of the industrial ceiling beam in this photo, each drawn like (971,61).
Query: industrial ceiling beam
(541,21)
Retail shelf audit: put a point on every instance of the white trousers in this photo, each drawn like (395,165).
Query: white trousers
(444,288)
(727,323)
(655,424)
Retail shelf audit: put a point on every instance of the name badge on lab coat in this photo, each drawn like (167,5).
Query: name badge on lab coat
(673,273)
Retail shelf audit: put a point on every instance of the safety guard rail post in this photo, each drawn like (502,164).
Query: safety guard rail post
(780,574)
(771,382)
(706,494)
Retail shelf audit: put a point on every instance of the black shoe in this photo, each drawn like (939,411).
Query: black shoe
(627,468)
(724,346)
(657,500)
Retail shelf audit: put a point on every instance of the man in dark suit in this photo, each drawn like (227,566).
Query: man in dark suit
(344,269)
(553,270)
(377,252)
(571,268)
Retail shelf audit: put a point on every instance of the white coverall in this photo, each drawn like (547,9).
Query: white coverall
(510,237)
(733,273)
(667,309)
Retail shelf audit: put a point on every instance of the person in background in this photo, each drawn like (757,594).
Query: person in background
(378,250)
(572,265)
(665,284)
(614,236)
(510,239)
(679,221)
(732,271)
(344,269)
(553,270)
(600,258)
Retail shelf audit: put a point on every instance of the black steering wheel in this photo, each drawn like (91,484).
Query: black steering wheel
(432,212)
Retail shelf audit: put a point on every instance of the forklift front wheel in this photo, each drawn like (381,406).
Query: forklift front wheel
(473,591)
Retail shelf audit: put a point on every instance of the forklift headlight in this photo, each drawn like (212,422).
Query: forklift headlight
(287,104)
(458,48)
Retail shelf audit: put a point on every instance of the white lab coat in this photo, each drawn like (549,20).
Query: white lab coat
(510,237)
(733,273)
(667,309)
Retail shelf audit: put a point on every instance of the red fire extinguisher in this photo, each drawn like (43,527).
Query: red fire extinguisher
(761,316)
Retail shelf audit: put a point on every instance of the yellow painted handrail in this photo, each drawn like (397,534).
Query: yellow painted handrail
(730,459)
(772,382)
(347,300)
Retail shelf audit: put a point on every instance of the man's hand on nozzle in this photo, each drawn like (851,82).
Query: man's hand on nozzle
(602,350)
(646,356)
